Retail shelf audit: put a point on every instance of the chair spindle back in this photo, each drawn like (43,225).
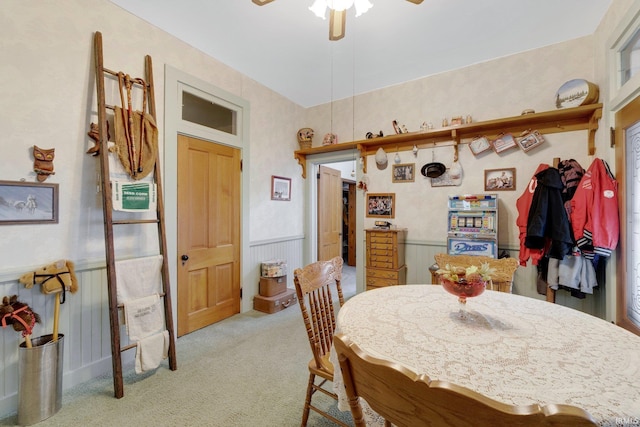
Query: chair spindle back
(313,286)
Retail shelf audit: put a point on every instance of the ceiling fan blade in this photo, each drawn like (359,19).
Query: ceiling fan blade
(415,1)
(261,2)
(337,22)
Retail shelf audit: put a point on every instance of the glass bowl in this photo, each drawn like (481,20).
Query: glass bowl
(463,290)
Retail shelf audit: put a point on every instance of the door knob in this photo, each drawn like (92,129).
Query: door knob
(184,258)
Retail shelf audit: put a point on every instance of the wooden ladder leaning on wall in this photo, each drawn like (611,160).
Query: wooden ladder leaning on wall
(116,347)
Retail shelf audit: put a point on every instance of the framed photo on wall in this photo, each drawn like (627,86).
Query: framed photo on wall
(381,205)
(530,140)
(280,188)
(404,172)
(28,203)
(504,142)
(479,145)
(500,179)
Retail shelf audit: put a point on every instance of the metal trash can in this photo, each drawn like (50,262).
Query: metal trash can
(40,376)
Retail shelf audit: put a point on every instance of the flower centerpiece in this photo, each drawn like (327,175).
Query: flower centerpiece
(465,282)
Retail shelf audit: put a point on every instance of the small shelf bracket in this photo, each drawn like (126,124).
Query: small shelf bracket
(593,127)
(302,161)
(363,156)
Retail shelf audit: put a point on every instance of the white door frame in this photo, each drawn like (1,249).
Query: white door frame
(619,96)
(176,82)
(310,252)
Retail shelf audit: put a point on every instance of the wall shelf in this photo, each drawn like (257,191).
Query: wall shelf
(585,117)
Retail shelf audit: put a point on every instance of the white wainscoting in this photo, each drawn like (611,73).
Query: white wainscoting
(84,322)
(287,249)
(84,318)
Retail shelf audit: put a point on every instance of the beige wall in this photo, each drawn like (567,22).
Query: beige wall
(499,88)
(47,98)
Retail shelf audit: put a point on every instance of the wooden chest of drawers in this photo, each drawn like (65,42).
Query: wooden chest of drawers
(385,258)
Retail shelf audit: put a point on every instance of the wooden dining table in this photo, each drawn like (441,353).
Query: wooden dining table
(511,348)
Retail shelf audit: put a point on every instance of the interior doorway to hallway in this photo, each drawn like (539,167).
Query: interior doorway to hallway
(347,163)
(343,209)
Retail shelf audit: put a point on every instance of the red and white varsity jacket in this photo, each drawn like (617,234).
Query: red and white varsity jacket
(594,210)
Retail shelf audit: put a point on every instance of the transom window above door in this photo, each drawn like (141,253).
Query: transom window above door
(630,58)
(208,113)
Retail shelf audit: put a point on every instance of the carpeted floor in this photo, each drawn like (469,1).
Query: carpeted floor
(249,370)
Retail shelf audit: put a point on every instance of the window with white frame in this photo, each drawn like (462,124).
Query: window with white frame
(624,59)
(630,58)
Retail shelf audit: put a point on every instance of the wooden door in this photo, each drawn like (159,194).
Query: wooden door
(329,213)
(208,233)
(627,137)
(351,226)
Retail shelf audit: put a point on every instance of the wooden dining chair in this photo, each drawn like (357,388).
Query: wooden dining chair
(406,399)
(505,268)
(313,286)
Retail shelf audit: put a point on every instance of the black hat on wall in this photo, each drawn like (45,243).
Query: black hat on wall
(433,169)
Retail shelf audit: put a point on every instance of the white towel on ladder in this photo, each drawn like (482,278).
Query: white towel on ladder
(138,277)
(144,317)
(151,351)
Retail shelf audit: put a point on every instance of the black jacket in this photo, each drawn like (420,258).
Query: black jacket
(548,224)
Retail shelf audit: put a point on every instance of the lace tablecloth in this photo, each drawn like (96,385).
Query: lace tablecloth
(518,351)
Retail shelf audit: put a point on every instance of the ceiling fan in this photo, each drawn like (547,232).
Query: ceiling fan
(338,16)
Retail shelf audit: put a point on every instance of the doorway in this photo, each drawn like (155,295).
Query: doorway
(346,163)
(232,131)
(208,233)
(336,214)
(349,222)
(329,213)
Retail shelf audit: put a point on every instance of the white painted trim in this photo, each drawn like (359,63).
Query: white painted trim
(175,82)
(190,128)
(311,218)
(625,27)
(79,266)
(625,94)
(620,95)
(276,240)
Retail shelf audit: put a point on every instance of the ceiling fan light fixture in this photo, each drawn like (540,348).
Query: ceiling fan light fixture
(337,23)
(319,8)
(339,5)
(362,6)
(338,13)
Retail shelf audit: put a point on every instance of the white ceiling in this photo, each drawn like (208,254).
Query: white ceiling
(285,47)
